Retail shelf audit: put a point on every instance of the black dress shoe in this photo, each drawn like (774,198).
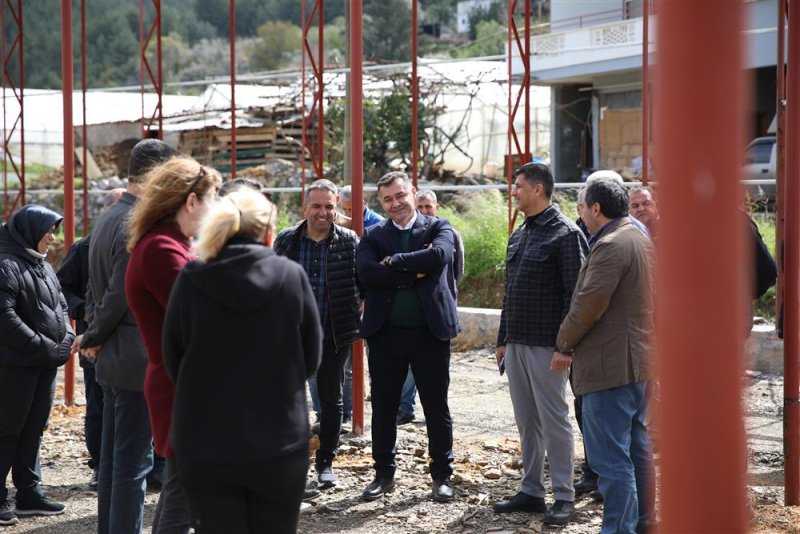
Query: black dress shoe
(443,490)
(585,485)
(378,488)
(521,502)
(310,494)
(560,513)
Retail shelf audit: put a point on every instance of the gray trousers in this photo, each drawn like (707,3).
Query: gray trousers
(539,397)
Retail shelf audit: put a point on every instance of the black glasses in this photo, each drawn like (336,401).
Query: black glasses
(200,175)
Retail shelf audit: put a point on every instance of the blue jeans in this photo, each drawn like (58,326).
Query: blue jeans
(347,391)
(125,459)
(619,446)
(408,396)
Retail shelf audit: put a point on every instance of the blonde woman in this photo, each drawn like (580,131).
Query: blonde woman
(178,193)
(241,337)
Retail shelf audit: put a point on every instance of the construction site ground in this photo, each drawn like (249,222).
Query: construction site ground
(487,468)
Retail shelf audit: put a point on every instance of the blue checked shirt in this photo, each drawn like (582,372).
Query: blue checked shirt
(313,257)
(543,260)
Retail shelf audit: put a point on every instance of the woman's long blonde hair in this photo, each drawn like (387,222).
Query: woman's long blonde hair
(244,212)
(166,189)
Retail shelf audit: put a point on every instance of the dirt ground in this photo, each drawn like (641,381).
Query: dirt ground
(488,469)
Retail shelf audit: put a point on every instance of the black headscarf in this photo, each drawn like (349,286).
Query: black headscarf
(28,225)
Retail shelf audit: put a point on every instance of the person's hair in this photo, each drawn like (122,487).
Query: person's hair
(242,212)
(537,173)
(238,183)
(345,193)
(145,155)
(605,173)
(165,191)
(391,177)
(612,197)
(322,185)
(644,189)
(426,193)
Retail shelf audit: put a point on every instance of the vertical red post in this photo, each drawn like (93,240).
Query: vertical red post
(84,135)
(526,87)
(321,87)
(232,36)
(304,129)
(780,179)
(69,163)
(414,97)
(157,116)
(141,62)
(357,169)
(791,367)
(701,304)
(646,92)
(316,111)
(510,154)
(17,88)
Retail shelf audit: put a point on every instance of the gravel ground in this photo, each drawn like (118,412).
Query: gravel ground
(488,469)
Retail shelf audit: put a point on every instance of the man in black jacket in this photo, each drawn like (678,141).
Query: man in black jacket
(327,253)
(409,320)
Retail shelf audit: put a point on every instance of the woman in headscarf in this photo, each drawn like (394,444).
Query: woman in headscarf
(162,224)
(241,337)
(35,339)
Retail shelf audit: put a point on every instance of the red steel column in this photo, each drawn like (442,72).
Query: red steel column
(527,82)
(321,88)
(13,54)
(84,135)
(69,164)
(780,182)
(304,132)
(157,116)
(232,36)
(509,153)
(791,369)
(646,92)
(701,303)
(357,169)
(414,96)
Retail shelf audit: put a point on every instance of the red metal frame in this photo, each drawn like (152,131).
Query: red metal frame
(791,369)
(646,93)
(14,51)
(85,142)
(232,43)
(316,153)
(514,102)
(700,364)
(357,170)
(69,163)
(149,119)
(414,97)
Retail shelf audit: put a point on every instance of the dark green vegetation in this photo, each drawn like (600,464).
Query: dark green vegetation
(195,36)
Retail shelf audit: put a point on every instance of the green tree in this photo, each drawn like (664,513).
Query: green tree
(278,40)
(387,30)
(495,12)
(491,39)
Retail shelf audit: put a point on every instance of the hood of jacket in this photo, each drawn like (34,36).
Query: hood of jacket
(28,225)
(241,278)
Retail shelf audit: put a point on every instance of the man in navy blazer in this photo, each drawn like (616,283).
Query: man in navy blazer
(409,319)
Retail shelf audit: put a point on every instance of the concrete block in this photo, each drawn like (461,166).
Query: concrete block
(764,350)
(479,328)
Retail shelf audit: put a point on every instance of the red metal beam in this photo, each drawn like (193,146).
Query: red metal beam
(414,97)
(645,93)
(780,183)
(357,170)
(69,164)
(791,365)
(316,111)
(156,116)
(232,39)
(13,56)
(84,136)
(514,147)
(701,362)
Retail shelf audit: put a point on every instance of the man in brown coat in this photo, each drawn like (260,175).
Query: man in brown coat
(606,337)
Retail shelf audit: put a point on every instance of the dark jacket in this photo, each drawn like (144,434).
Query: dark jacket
(74,278)
(34,326)
(340,278)
(241,337)
(123,358)
(431,252)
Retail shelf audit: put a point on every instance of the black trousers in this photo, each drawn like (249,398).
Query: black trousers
(26,395)
(245,498)
(330,378)
(93,421)
(391,351)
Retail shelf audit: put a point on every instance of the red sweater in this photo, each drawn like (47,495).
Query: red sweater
(153,267)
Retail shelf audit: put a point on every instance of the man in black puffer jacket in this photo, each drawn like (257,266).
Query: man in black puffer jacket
(327,253)
(35,339)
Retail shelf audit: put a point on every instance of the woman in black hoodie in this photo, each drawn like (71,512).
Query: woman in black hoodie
(241,337)
(35,339)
